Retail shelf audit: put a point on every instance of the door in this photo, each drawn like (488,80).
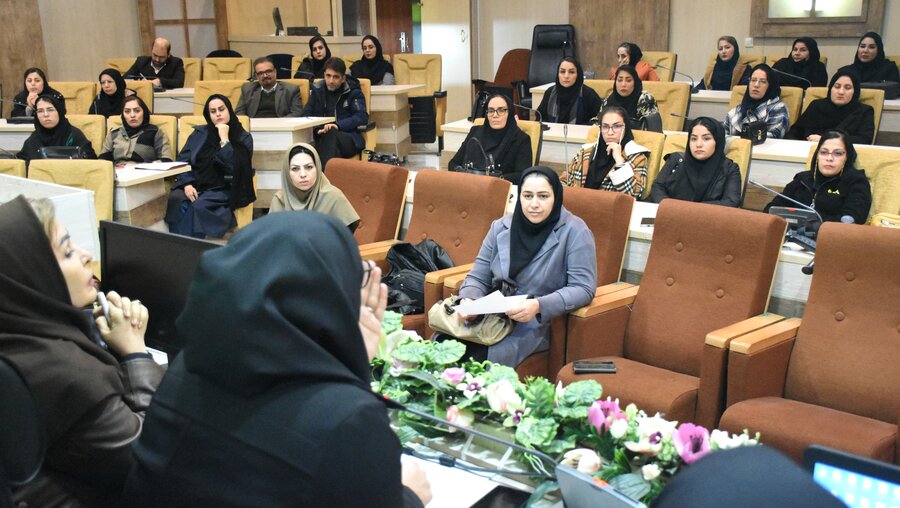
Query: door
(446,31)
(395,24)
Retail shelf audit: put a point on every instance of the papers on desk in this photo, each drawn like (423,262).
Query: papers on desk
(451,487)
(160,166)
(494,303)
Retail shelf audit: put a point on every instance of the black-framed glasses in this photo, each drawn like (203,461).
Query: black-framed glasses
(265,72)
(497,112)
(367,274)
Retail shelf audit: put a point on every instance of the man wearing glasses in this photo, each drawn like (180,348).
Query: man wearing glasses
(266,97)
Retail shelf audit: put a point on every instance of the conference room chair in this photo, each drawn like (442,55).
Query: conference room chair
(23,441)
(12,167)
(78,94)
(671,98)
(166,123)
(549,44)
(737,149)
(664,58)
(90,174)
(224,53)
(668,337)
(354,57)
(282,61)
(653,141)
(792,96)
(831,377)
(93,127)
(376,191)
(534,131)
(120,64)
(230,88)
(603,87)
(226,68)
(303,84)
(513,69)
(143,89)
(428,106)
(774,58)
(872,97)
(187,123)
(244,215)
(295,63)
(455,210)
(192,70)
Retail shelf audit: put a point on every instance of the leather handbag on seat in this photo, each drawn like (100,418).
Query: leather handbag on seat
(486,329)
(755,131)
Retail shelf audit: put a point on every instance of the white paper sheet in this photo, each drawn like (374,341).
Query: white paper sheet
(160,166)
(494,303)
(451,487)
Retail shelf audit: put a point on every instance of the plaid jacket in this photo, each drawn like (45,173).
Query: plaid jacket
(773,112)
(635,157)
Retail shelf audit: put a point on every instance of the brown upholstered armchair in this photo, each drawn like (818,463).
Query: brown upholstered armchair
(832,378)
(377,193)
(513,69)
(709,267)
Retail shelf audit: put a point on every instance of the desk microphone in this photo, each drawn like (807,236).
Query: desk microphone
(309,75)
(693,87)
(544,127)
(800,78)
(792,200)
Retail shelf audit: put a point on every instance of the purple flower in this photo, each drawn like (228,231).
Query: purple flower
(691,442)
(603,413)
(454,375)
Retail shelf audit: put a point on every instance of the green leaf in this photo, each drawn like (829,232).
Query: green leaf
(539,396)
(541,491)
(571,413)
(536,432)
(426,377)
(558,446)
(449,351)
(499,372)
(413,352)
(632,485)
(582,393)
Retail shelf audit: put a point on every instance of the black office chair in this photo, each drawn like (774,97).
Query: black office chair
(282,63)
(226,53)
(22,442)
(549,44)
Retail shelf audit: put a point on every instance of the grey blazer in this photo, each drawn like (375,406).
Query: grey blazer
(562,276)
(287,100)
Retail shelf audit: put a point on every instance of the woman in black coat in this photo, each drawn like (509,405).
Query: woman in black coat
(569,101)
(841,110)
(36,84)
(313,66)
(111,99)
(804,63)
(52,129)
(870,62)
(508,149)
(702,174)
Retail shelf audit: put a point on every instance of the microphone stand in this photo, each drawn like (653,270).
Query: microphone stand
(808,82)
(693,87)
(544,127)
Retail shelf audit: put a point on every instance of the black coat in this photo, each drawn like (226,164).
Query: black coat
(724,190)
(515,157)
(587,107)
(349,112)
(170,76)
(846,194)
(31,148)
(859,125)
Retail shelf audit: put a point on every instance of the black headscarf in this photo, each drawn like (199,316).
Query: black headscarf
(723,71)
(810,69)
(303,271)
(567,97)
(700,174)
(235,129)
(492,138)
(60,135)
(601,162)
(144,123)
(870,71)
(773,91)
(110,105)
(825,114)
(43,334)
(634,53)
(318,66)
(205,170)
(525,237)
(374,69)
(629,103)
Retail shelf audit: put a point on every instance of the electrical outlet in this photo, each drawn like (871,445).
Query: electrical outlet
(748,42)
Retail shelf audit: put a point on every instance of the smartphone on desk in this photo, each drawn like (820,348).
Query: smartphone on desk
(594,367)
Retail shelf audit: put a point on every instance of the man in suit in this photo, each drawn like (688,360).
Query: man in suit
(163,69)
(266,97)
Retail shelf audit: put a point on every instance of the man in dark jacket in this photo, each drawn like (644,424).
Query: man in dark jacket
(338,98)
(163,69)
(267,97)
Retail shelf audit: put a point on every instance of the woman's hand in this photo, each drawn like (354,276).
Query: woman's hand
(526,311)
(615,149)
(124,332)
(190,192)
(415,480)
(32,96)
(813,137)
(223,131)
(463,317)
(372,302)
(327,127)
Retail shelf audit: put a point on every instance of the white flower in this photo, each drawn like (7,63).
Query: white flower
(472,386)
(651,431)
(560,391)
(583,459)
(618,428)
(501,395)
(722,440)
(650,472)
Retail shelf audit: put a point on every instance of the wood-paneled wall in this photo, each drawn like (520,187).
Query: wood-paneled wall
(254,17)
(22,41)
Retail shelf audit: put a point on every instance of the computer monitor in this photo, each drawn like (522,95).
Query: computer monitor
(155,267)
(856,481)
(279,26)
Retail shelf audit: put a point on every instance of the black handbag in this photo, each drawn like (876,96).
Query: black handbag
(383,157)
(756,132)
(406,280)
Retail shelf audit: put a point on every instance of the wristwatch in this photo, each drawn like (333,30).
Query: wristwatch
(223,143)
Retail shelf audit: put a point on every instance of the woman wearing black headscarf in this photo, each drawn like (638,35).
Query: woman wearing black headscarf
(803,62)
(727,69)
(269,403)
(372,65)
(762,103)
(91,399)
(112,94)
(501,139)
(568,101)
(36,84)
(702,174)
(628,93)
(841,110)
(870,62)
(629,53)
(52,129)
(137,140)
(313,66)
(542,251)
(203,200)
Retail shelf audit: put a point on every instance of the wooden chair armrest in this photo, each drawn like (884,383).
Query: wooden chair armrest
(605,301)
(454,282)
(440,276)
(765,338)
(375,251)
(723,336)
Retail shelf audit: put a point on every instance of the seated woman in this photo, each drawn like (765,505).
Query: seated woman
(110,101)
(727,70)
(91,398)
(313,66)
(762,103)
(542,251)
(52,129)
(870,63)
(803,62)
(269,403)
(372,65)
(615,162)
(137,140)
(36,84)
(498,146)
(203,200)
(304,187)
(629,53)
(629,94)
(569,101)
(703,174)
(832,185)
(841,110)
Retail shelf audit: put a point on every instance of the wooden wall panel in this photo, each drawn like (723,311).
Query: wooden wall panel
(22,41)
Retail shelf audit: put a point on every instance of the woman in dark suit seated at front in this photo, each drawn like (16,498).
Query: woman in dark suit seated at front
(832,185)
(203,200)
(52,129)
(569,101)
(841,110)
(542,251)
(313,66)
(702,174)
(500,139)
(36,84)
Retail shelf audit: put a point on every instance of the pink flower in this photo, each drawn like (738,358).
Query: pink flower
(691,442)
(603,413)
(454,375)
(461,417)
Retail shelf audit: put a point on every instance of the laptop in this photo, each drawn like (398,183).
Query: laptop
(856,481)
(580,491)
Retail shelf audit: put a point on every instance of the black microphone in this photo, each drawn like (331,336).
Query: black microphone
(693,89)
(808,82)
(7,152)
(182,99)
(488,157)
(808,268)
(544,127)
(792,200)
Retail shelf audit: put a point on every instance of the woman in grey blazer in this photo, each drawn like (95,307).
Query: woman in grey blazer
(542,251)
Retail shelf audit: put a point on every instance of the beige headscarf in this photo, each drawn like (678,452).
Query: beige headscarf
(322,197)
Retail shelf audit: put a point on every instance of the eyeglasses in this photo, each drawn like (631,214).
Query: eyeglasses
(497,112)
(265,72)
(837,154)
(367,274)
(756,81)
(45,111)
(616,127)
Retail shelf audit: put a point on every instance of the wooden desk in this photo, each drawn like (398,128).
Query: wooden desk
(537,96)
(390,112)
(711,103)
(141,196)
(13,136)
(177,101)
